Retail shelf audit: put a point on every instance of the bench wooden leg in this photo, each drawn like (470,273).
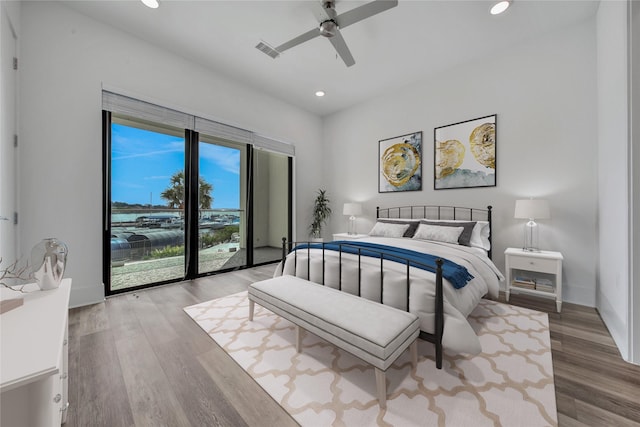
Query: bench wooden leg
(413,350)
(381,385)
(251,308)
(298,338)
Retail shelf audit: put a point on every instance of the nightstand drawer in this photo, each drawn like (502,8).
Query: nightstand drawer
(533,264)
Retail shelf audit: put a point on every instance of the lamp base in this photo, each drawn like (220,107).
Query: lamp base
(531,237)
(352,225)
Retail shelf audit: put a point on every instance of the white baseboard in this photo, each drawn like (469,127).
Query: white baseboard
(617,327)
(86,295)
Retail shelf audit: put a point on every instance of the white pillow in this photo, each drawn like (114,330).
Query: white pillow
(384,229)
(484,232)
(479,235)
(438,233)
(413,224)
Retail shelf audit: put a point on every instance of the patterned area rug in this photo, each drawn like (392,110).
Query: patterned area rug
(509,384)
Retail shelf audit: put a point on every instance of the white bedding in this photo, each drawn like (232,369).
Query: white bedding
(458,335)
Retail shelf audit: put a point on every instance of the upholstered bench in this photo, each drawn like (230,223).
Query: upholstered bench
(373,332)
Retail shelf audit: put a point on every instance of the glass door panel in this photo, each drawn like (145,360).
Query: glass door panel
(147,203)
(221,205)
(271,205)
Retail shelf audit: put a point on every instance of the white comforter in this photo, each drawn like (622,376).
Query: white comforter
(458,335)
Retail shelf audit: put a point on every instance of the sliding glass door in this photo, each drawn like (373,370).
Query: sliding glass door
(147,203)
(272,205)
(185,197)
(222,223)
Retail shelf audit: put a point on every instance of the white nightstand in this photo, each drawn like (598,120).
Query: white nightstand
(347,236)
(525,262)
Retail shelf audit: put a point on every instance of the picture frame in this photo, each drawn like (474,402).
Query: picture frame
(464,154)
(400,163)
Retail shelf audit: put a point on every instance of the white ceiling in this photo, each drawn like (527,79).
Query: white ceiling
(393,49)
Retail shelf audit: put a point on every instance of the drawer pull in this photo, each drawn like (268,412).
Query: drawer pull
(64,376)
(64,407)
(57,398)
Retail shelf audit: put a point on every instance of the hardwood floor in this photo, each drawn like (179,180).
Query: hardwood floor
(594,386)
(139,360)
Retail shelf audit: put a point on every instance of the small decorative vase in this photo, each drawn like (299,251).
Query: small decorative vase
(48,260)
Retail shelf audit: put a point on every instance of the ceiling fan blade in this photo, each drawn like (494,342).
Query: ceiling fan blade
(298,40)
(359,13)
(341,47)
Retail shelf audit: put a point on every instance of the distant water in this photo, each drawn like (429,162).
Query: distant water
(131,217)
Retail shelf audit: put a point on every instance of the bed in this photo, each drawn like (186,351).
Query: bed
(433,261)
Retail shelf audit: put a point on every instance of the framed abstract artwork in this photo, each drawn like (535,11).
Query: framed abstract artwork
(400,163)
(465,154)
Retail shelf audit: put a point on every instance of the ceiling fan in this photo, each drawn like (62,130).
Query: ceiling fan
(330,26)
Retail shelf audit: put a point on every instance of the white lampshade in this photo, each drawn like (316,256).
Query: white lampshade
(352,209)
(532,209)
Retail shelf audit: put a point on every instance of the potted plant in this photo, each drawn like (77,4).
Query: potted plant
(321,213)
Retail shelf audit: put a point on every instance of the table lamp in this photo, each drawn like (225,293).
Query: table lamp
(531,209)
(352,209)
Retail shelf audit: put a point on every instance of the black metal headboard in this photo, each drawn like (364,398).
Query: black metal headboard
(439,212)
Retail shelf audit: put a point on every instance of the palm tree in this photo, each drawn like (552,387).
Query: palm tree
(204,194)
(174,195)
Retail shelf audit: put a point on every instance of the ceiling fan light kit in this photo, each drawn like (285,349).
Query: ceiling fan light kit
(330,26)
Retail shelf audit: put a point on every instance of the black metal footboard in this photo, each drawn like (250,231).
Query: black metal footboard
(435,337)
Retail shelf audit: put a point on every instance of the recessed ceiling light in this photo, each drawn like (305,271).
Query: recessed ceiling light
(153,4)
(320,93)
(500,7)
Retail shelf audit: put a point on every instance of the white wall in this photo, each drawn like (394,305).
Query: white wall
(10,32)
(279,203)
(66,57)
(544,93)
(261,182)
(634,73)
(613,221)
(271,200)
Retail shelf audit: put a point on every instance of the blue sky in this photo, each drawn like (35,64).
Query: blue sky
(142,163)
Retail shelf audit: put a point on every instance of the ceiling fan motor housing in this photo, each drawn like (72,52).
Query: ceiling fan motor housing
(328,28)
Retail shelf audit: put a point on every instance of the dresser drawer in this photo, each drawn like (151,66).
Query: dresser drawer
(533,264)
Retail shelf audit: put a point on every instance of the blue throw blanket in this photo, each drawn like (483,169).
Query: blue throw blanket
(457,274)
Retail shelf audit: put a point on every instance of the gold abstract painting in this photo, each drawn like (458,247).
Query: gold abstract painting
(400,163)
(465,154)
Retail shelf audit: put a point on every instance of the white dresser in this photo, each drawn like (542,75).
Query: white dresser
(34,358)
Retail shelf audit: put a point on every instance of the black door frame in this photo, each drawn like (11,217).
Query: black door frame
(191,139)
